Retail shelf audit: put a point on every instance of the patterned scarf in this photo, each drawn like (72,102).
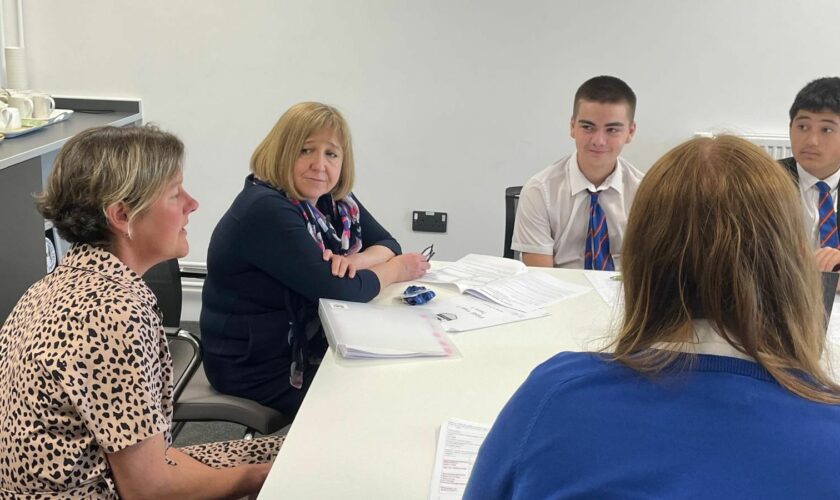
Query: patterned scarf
(323,232)
(306,337)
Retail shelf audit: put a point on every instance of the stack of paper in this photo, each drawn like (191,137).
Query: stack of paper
(357,330)
(457,449)
(506,282)
(475,270)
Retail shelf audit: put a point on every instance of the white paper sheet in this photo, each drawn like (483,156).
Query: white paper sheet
(463,313)
(831,354)
(528,292)
(608,286)
(457,448)
(475,270)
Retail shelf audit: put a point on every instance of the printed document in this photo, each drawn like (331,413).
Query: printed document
(463,313)
(608,286)
(506,282)
(527,292)
(458,445)
(475,270)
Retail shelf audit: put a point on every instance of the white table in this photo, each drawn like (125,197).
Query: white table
(367,429)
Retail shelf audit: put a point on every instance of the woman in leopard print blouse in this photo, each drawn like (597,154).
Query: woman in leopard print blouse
(85,371)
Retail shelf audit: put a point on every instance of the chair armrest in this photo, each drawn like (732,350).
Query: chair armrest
(192,341)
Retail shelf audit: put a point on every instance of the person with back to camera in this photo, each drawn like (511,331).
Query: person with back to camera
(715,388)
(572,214)
(85,371)
(294,234)
(815,164)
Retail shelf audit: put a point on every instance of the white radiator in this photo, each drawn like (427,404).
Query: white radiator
(776,145)
(191,300)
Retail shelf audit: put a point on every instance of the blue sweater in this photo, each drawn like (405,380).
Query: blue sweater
(584,427)
(261,262)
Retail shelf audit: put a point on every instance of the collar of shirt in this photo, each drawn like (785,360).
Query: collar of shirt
(90,259)
(808,181)
(706,341)
(578,182)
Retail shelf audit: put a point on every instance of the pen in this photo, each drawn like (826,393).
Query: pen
(428,252)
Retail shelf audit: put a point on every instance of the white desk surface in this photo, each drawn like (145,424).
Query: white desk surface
(368,429)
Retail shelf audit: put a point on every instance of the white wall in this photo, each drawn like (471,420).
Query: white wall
(449,101)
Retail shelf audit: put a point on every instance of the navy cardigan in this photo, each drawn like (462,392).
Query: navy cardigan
(261,263)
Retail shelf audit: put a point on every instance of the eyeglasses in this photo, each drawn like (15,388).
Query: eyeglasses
(428,252)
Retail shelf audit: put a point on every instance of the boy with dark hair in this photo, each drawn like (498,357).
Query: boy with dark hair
(573,213)
(815,165)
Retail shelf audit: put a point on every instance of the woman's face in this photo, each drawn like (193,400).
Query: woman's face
(318,167)
(159,233)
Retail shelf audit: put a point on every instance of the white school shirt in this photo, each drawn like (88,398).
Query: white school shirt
(810,197)
(706,340)
(552,217)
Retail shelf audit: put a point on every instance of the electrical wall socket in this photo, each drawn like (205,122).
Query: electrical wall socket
(429,222)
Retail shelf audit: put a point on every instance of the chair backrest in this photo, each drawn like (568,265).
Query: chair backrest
(511,201)
(165,281)
(195,399)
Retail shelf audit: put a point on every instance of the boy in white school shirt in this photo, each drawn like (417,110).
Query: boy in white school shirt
(815,165)
(573,213)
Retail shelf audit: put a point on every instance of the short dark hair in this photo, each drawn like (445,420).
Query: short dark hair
(821,94)
(606,89)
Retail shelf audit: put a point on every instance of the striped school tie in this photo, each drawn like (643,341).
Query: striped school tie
(828,218)
(597,252)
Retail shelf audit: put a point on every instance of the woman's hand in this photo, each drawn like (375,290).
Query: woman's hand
(410,266)
(255,477)
(140,471)
(406,267)
(340,264)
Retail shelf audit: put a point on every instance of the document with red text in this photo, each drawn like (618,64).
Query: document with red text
(458,444)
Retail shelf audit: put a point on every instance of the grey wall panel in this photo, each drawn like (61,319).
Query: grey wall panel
(22,256)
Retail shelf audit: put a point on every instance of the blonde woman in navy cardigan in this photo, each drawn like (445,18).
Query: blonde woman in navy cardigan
(296,233)
(715,387)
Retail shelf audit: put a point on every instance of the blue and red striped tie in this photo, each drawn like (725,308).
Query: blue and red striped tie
(597,253)
(828,218)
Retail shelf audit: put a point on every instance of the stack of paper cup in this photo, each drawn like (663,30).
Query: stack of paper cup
(16,77)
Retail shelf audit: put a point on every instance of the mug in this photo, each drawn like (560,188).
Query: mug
(23,103)
(9,118)
(42,106)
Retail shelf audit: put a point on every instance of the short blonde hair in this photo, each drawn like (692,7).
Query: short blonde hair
(274,159)
(102,166)
(715,232)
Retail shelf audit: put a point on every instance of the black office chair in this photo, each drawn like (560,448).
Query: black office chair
(195,399)
(511,201)
(183,346)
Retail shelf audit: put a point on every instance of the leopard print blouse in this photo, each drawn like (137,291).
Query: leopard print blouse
(84,370)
